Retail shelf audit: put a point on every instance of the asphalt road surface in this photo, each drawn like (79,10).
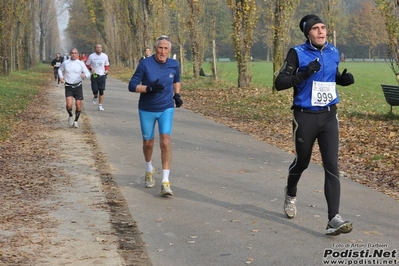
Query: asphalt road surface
(227,207)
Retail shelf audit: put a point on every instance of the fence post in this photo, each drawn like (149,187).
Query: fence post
(214,67)
(181,60)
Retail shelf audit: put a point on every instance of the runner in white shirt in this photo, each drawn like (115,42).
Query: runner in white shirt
(56,63)
(75,71)
(98,64)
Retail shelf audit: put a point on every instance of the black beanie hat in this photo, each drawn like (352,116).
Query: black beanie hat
(307,22)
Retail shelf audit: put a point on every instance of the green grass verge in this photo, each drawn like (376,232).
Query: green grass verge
(16,92)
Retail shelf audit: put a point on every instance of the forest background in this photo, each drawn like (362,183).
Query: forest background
(239,29)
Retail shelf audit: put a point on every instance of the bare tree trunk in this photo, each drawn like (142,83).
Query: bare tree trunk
(181,59)
(146,25)
(42,32)
(44,25)
(244,23)
(332,9)
(278,35)
(181,29)
(283,11)
(195,36)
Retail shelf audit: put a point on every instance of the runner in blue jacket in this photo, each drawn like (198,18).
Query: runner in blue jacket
(312,70)
(157,79)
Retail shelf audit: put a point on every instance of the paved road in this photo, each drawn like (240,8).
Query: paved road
(228,203)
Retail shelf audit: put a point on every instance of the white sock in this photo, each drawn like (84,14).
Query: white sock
(148,166)
(165,175)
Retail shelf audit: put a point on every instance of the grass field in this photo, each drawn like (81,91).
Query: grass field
(16,91)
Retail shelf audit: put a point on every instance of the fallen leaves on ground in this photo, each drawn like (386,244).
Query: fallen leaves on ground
(25,179)
(369,144)
(33,171)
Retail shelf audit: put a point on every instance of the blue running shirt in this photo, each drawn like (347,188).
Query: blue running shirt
(147,72)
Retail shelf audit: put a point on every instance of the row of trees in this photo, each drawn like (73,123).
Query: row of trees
(241,28)
(264,29)
(28,32)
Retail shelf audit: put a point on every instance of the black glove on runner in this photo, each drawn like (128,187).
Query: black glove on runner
(178,101)
(312,68)
(155,87)
(346,79)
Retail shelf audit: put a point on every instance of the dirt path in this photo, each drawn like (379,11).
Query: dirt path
(60,205)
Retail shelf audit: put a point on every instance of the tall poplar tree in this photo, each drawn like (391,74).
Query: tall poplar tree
(283,13)
(196,35)
(244,23)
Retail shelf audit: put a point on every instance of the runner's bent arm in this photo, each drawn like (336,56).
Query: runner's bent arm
(288,74)
(85,71)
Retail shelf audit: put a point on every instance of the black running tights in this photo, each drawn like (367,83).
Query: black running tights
(307,127)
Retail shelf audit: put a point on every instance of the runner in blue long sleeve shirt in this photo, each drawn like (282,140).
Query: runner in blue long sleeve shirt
(157,79)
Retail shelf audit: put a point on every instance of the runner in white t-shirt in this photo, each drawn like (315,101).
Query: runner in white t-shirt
(98,64)
(72,72)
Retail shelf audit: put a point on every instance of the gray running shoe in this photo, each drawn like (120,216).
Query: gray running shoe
(149,180)
(289,205)
(338,226)
(75,124)
(165,189)
(70,120)
(95,100)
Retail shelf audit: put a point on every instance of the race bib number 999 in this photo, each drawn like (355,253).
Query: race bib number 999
(323,93)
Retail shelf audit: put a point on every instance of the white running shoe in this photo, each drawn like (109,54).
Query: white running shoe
(289,205)
(338,226)
(100,108)
(149,180)
(95,100)
(165,189)
(75,124)
(70,120)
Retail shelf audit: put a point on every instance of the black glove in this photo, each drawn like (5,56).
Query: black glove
(312,68)
(155,87)
(346,79)
(178,101)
